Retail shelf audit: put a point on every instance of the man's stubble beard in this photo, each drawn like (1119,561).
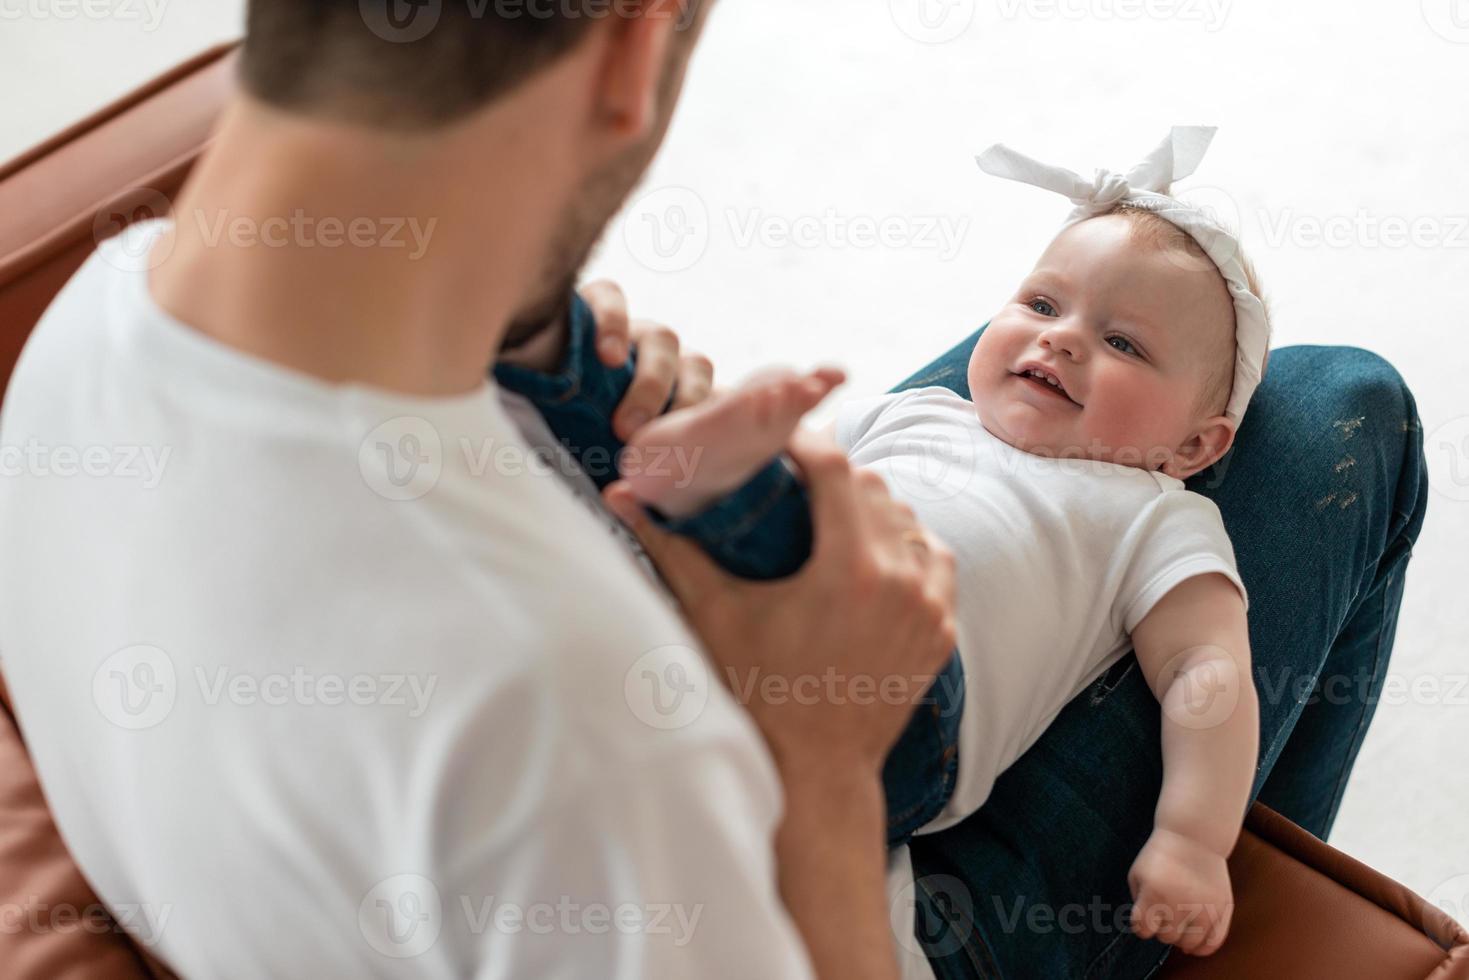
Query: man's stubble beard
(576,235)
(599,199)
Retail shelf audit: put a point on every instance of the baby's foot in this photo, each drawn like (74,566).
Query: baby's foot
(682,462)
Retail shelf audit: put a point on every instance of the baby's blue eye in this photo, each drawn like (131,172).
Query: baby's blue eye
(1041,306)
(1127,348)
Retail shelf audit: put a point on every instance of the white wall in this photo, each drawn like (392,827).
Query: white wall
(1343,117)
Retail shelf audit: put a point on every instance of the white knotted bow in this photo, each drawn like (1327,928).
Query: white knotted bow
(1149,185)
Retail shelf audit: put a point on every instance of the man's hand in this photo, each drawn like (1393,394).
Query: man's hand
(829,661)
(1181,893)
(663,371)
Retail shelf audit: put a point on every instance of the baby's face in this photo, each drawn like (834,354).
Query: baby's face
(1129,330)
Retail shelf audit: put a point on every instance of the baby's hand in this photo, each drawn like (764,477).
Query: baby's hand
(1181,894)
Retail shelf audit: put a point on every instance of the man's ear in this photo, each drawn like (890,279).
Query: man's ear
(636,59)
(1210,441)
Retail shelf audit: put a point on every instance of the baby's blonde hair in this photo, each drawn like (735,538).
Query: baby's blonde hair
(1150,229)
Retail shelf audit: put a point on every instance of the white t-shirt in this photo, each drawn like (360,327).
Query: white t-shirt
(1057,561)
(323,681)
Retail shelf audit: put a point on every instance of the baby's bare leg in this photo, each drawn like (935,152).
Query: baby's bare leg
(682,462)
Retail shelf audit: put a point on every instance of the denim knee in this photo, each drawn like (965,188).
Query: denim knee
(1382,412)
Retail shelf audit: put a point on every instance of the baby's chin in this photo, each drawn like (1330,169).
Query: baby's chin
(1040,440)
(1027,438)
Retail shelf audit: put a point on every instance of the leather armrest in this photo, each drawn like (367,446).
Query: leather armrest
(52,925)
(1306,911)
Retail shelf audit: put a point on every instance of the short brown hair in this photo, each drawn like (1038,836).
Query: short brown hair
(352,60)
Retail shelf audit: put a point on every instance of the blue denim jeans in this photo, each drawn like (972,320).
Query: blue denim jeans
(761,531)
(1323,496)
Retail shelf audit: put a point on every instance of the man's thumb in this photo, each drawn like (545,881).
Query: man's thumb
(689,572)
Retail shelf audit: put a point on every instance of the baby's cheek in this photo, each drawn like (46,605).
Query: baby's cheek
(981,366)
(1133,419)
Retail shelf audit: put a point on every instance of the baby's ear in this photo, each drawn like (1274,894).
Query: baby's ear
(1210,441)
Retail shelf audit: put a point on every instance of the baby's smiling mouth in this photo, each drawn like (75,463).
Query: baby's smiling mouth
(1046,381)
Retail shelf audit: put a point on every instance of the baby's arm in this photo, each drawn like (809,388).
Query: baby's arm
(1194,649)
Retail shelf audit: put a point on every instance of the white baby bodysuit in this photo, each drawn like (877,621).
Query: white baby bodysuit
(1057,561)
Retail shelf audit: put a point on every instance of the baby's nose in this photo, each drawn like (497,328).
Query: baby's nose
(1060,342)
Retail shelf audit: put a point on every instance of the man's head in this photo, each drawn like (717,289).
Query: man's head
(1137,324)
(421,67)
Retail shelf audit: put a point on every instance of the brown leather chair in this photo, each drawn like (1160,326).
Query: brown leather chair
(1305,911)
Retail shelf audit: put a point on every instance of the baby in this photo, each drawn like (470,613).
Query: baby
(1120,367)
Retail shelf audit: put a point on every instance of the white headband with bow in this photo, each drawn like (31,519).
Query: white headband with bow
(1148,186)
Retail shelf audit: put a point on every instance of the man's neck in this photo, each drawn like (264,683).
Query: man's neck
(358,256)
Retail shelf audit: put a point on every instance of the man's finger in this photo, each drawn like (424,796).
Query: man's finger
(693,578)
(609,308)
(695,380)
(833,492)
(652,384)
